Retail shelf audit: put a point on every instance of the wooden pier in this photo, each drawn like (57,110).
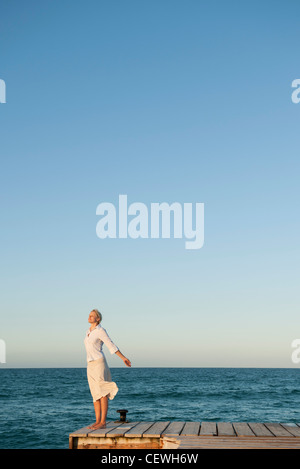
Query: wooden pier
(184,435)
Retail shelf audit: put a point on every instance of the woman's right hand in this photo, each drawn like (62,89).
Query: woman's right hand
(127,362)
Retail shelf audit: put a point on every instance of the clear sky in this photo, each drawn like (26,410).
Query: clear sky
(165,101)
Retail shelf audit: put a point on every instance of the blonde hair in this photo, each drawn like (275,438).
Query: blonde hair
(98,314)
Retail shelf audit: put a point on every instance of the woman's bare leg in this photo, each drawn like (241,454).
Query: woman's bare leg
(97,407)
(101,406)
(104,407)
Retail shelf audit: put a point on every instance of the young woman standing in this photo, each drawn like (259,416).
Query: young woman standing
(99,377)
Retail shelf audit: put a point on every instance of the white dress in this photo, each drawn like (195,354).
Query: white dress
(98,372)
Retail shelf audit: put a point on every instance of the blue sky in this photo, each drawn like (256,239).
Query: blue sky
(165,101)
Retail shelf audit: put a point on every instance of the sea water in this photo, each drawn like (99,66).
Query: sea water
(39,407)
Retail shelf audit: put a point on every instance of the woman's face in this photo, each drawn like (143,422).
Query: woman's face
(92,317)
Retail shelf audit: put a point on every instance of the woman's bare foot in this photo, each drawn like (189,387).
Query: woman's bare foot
(96,425)
(93,425)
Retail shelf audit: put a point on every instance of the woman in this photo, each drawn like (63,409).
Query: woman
(99,378)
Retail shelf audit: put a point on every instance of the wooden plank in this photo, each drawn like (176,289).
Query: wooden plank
(138,430)
(259,429)
(191,428)
(277,429)
(221,442)
(191,432)
(71,442)
(156,430)
(292,428)
(81,432)
(242,429)
(208,429)
(225,429)
(121,430)
(174,428)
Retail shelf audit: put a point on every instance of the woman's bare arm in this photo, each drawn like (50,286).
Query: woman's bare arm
(125,360)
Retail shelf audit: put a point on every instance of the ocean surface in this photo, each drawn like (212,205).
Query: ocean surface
(39,407)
